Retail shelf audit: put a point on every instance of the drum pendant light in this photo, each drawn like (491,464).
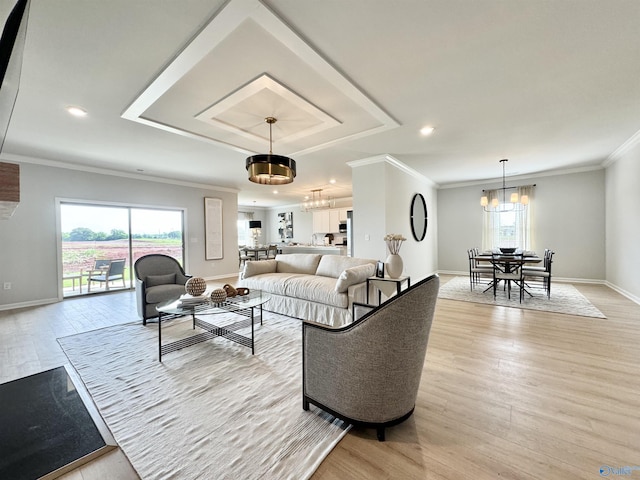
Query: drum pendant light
(270,169)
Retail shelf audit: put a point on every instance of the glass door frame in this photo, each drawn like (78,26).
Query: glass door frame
(59,201)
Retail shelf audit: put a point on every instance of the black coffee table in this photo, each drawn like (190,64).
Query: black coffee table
(243,306)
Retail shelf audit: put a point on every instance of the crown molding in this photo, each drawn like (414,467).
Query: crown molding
(622,149)
(395,163)
(114,173)
(517,178)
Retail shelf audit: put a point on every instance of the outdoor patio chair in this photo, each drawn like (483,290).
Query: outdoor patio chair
(106,271)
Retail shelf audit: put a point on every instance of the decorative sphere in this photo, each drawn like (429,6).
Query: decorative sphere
(195,286)
(218,295)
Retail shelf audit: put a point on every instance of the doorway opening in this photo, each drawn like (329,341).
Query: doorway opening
(100,244)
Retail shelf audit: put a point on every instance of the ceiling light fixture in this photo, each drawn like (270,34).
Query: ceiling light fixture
(270,169)
(427,130)
(317,201)
(495,201)
(77,111)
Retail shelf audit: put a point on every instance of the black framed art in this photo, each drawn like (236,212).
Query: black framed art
(380,269)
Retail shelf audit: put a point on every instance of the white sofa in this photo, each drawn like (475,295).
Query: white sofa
(320,288)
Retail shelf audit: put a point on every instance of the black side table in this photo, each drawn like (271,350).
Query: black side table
(387,285)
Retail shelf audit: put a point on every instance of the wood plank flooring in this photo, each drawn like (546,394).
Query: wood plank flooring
(505,393)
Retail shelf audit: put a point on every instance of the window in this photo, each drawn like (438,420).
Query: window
(244,235)
(508,225)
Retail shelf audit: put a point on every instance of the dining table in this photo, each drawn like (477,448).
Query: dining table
(254,252)
(508,263)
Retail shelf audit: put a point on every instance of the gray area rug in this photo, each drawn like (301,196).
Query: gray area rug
(211,410)
(565,298)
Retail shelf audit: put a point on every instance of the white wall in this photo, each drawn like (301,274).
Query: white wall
(569,212)
(28,240)
(623,223)
(382,195)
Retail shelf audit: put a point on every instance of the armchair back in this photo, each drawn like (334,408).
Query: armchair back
(368,373)
(158,278)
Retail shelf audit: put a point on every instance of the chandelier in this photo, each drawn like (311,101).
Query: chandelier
(270,169)
(317,201)
(495,201)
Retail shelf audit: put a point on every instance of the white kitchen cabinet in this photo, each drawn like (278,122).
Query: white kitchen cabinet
(321,221)
(334,219)
(328,221)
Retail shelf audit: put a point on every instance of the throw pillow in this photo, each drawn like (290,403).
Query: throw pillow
(354,275)
(155,280)
(258,267)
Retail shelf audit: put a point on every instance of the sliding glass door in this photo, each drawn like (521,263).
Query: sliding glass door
(100,243)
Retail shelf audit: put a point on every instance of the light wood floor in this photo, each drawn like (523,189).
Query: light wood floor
(505,393)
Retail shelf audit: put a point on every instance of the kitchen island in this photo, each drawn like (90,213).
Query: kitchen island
(319,249)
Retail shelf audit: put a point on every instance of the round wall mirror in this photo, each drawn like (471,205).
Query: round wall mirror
(418,217)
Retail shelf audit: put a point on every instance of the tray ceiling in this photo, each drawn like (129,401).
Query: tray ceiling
(245,65)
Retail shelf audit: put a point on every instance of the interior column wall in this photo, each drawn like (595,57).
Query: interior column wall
(382,195)
(623,223)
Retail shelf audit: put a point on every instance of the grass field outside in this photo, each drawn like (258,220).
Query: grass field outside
(80,256)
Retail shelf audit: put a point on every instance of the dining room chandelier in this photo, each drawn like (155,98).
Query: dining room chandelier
(317,201)
(270,169)
(495,201)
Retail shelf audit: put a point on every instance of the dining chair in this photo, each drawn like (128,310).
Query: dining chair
(476,270)
(272,252)
(543,273)
(508,268)
(544,267)
(242,257)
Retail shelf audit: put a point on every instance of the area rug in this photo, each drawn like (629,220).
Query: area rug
(565,298)
(211,410)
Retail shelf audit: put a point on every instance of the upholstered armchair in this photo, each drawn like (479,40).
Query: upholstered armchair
(158,278)
(368,372)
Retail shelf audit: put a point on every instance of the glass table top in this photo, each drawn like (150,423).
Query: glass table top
(255,298)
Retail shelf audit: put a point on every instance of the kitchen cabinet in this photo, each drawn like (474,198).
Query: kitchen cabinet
(334,220)
(328,221)
(321,221)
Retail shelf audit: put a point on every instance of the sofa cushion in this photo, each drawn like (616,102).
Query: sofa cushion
(268,282)
(153,280)
(298,263)
(354,275)
(161,293)
(258,268)
(334,265)
(318,289)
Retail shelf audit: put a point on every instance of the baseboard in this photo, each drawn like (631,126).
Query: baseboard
(592,281)
(623,292)
(32,303)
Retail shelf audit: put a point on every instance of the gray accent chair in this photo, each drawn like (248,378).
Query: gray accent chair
(158,278)
(368,372)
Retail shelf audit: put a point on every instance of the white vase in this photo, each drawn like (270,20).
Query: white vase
(394,265)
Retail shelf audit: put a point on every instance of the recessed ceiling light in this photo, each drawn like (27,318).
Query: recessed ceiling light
(275,192)
(426,130)
(332,181)
(77,111)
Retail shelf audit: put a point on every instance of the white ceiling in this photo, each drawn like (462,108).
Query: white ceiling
(179,89)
